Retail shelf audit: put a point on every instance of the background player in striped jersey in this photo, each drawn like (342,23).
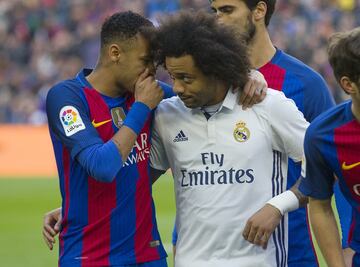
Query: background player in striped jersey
(298,82)
(226,162)
(332,149)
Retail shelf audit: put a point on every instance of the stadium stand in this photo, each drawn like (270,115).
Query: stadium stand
(44,41)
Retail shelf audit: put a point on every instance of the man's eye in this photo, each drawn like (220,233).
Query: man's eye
(187,80)
(226,10)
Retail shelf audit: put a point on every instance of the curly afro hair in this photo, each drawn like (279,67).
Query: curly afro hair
(216,51)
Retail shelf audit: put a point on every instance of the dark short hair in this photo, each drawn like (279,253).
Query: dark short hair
(251,4)
(344,54)
(123,26)
(214,48)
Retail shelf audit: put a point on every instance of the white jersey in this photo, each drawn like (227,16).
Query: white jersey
(225,169)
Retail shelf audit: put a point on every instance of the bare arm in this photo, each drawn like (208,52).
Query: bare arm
(303,200)
(326,232)
(263,223)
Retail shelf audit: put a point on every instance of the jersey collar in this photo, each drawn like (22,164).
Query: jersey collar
(277,56)
(230,100)
(81,77)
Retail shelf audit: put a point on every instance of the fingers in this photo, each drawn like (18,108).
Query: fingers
(257,237)
(245,92)
(143,76)
(48,238)
(263,94)
(246,231)
(51,227)
(47,227)
(253,232)
(57,226)
(254,90)
(261,239)
(248,94)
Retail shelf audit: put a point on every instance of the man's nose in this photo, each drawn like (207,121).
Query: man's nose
(177,87)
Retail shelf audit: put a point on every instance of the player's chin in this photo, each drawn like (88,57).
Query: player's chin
(190,102)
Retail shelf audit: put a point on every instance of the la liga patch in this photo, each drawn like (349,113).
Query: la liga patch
(71,120)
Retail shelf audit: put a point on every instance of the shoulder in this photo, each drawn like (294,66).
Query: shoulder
(331,119)
(273,97)
(171,106)
(64,89)
(277,109)
(66,95)
(300,70)
(328,121)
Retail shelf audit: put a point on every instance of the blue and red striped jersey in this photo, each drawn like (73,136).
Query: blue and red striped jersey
(332,147)
(104,224)
(312,97)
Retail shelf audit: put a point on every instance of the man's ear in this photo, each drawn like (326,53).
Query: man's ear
(115,52)
(347,85)
(259,12)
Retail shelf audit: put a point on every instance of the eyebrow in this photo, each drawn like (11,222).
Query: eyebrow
(223,7)
(183,74)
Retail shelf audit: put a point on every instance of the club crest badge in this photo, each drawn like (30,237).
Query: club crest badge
(118,116)
(241,133)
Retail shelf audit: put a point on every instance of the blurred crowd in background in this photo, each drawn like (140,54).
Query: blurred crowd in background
(45,41)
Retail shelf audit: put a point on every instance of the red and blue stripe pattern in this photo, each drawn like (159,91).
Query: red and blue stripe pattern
(301,84)
(332,148)
(107,224)
(347,142)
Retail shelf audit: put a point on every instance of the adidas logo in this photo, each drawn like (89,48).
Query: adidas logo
(181,137)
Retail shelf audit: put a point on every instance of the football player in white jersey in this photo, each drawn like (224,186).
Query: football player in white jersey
(227,163)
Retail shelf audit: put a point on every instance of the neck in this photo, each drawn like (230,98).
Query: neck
(221,90)
(104,82)
(355,108)
(261,48)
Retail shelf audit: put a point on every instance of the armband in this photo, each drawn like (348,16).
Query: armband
(285,202)
(137,117)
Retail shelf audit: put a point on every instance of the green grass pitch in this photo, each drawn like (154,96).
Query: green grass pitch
(23,203)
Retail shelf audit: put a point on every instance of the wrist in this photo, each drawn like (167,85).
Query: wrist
(285,202)
(137,116)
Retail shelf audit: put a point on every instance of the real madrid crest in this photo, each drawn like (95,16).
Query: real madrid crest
(241,133)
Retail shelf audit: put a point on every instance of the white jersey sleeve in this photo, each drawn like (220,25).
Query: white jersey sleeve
(158,157)
(288,125)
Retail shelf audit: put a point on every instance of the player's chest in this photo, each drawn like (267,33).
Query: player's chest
(347,159)
(222,138)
